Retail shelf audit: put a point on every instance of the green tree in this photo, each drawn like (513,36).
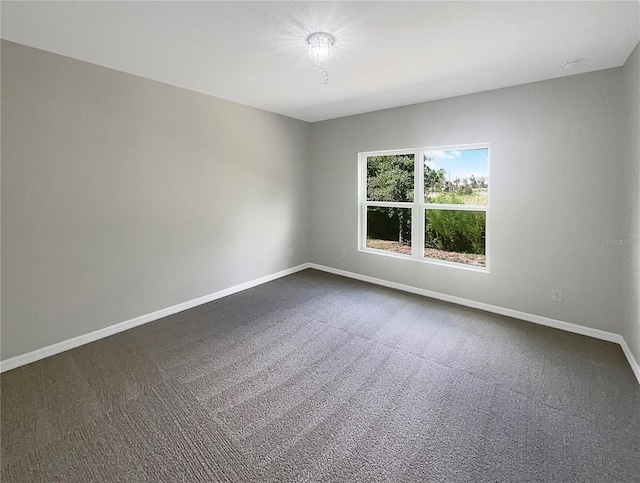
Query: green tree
(465,189)
(434,180)
(391,178)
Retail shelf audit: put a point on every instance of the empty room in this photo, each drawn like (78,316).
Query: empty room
(320,241)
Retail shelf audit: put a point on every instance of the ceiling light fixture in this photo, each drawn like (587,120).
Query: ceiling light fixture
(320,45)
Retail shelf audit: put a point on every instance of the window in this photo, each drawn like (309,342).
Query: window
(435,209)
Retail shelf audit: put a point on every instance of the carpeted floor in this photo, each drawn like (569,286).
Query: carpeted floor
(314,377)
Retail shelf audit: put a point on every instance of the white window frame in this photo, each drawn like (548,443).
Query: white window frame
(418,206)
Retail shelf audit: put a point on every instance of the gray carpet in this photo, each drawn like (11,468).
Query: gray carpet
(314,377)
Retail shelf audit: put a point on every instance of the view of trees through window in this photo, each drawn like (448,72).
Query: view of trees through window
(448,191)
(390,179)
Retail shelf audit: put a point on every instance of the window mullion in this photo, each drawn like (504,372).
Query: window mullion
(390,204)
(442,206)
(417,212)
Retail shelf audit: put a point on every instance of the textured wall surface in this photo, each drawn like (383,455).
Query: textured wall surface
(556,166)
(122,196)
(631,251)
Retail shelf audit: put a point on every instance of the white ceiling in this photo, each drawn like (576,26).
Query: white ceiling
(387,54)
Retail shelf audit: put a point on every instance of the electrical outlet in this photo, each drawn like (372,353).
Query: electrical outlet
(290,252)
(343,254)
(556,295)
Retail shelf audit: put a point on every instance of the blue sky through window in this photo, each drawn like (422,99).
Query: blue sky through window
(460,163)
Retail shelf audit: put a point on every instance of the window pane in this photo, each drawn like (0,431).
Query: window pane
(390,178)
(389,229)
(456,177)
(455,236)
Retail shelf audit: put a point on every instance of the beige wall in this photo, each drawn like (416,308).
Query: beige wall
(556,170)
(631,205)
(122,196)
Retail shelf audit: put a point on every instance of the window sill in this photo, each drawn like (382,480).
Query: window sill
(430,261)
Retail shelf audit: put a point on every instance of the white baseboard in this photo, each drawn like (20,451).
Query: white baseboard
(68,344)
(536,319)
(143,319)
(632,360)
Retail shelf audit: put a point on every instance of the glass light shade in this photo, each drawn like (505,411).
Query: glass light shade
(320,45)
